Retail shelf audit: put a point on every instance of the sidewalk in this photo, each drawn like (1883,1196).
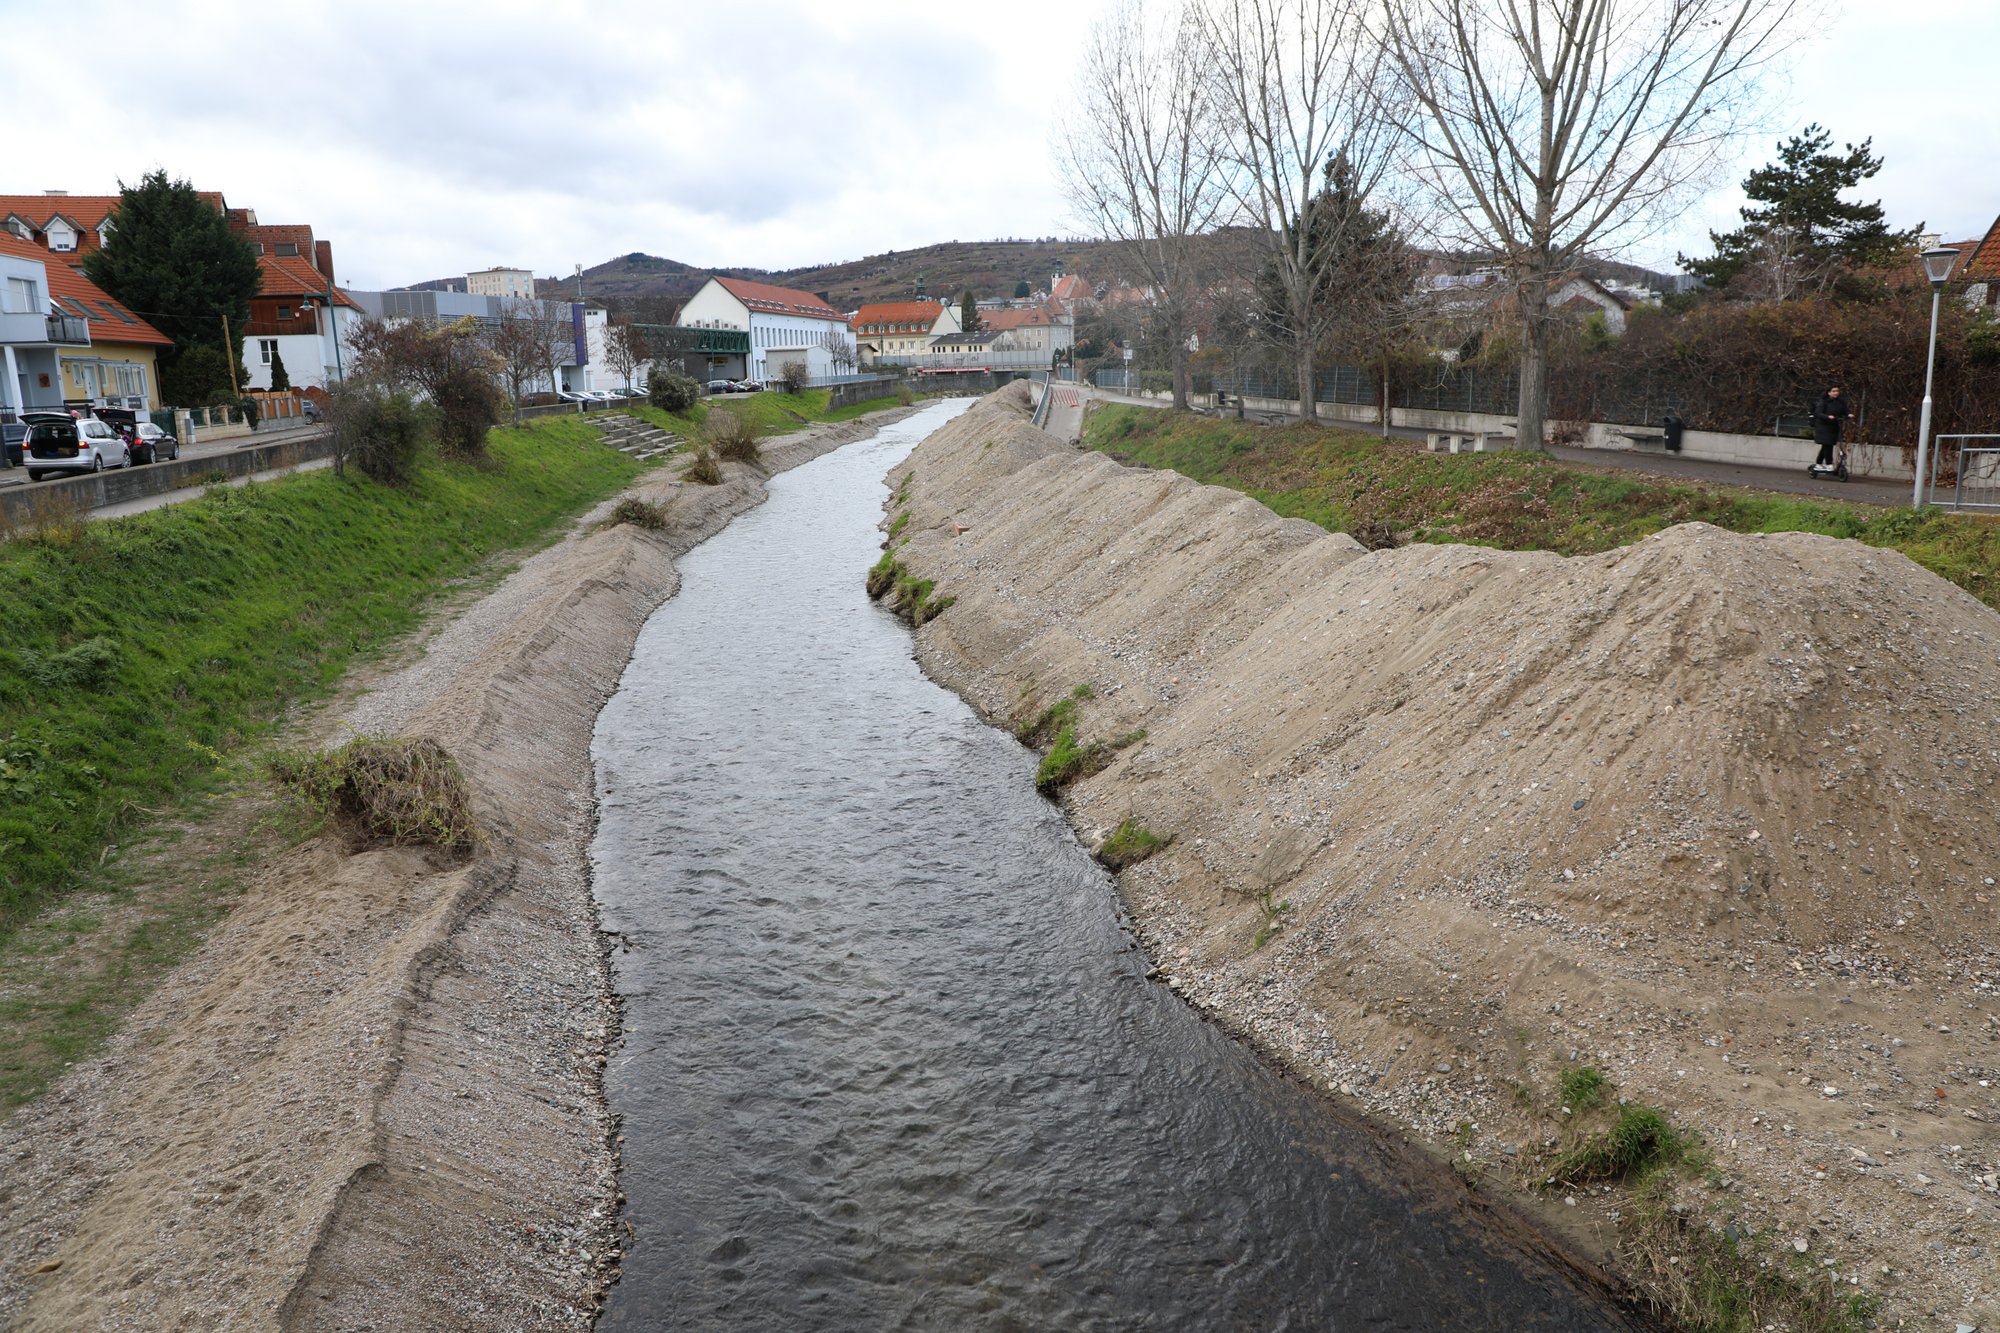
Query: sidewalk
(1791,481)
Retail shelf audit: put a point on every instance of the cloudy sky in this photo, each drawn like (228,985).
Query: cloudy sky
(428,137)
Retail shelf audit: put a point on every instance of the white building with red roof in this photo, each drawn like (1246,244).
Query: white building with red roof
(898,332)
(784,326)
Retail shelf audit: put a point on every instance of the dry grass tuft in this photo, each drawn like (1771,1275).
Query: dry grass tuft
(376,790)
(639,513)
(731,436)
(702,466)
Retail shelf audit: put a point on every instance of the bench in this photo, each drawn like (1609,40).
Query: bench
(1465,441)
(1642,438)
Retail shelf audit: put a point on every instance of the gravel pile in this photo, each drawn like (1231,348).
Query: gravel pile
(1712,813)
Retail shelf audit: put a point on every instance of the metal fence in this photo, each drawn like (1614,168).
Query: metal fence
(1974,460)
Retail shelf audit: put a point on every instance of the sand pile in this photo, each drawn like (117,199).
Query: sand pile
(1714,812)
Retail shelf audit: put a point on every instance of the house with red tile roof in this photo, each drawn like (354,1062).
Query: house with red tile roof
(299,314)
(64,341)
(67,224)
(898,331)
(1979,269)
(784,325)
(1041,328)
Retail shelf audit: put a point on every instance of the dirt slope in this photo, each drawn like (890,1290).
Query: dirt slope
(372,1099)
(1713,812)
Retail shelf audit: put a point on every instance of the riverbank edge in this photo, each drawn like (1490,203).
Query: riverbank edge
(461,1164)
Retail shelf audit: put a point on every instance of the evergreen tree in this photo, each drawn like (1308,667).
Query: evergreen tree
(281,380)
(173,260)
(1799,237)
(968,311)
(1022,289)
(1360,266)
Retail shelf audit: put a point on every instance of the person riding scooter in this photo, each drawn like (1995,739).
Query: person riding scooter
(1828,415)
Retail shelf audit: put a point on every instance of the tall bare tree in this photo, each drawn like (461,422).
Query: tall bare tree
(1138,158)
(544,336)
(1300,85)
(625,349)
(1543,127)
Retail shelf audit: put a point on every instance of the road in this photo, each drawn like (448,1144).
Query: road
(18,476)
(1794,481)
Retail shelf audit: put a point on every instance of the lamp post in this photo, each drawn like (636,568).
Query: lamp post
(1937,267)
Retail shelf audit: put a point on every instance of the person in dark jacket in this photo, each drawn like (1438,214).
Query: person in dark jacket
(1828,415)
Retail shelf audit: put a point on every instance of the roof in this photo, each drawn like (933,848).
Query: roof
(87,211)
(296,277)
(979,339)
(1982,263)
(1035,317)
(1069,287)
(75,294)
(763,298)
(923,313)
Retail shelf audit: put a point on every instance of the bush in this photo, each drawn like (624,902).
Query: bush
(731,436)
(251,412)
(468,404)
(639,513)
(702,467)
(381,430)
(794,376)
(376,790)
(673,393)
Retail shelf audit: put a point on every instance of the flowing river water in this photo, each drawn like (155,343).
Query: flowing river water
(893,1060)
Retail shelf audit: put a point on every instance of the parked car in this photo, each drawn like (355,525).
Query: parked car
(725,386)
(155,443)
(574,396)
(58,445)
(12,433)
(750,386)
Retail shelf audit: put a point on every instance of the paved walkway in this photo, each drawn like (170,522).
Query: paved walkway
(1065,420)
(1789,480)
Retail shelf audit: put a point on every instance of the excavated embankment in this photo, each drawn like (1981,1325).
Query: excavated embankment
(373,1098)
(1713,813)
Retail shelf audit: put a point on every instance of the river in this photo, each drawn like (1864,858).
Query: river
(893,1060)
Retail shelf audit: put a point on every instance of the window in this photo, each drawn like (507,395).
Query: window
(284,312)
(266,349)
(258,246)
(23,296)
(288,249)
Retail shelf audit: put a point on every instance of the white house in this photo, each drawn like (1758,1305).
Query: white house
(511,284)
(784,325)
(897,332)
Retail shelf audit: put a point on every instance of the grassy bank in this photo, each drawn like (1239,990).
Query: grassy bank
(769,412)
(138,655)
(1345,481)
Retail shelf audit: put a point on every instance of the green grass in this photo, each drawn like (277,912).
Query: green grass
(1128,844)
(767,413)
(143,653)
(1582,1088)
(1343,480)
(1055,717)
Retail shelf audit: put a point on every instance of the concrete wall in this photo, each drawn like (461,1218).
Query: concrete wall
(18,504)
(845,395)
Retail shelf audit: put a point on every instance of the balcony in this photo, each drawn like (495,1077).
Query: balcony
(23,327)
(68,329)
(303,324)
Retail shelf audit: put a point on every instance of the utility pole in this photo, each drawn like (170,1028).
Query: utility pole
(579,284)
(229,350)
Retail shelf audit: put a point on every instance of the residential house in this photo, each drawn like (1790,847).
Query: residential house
(1044,329)
(62,223)
(1979,269)
(897,332)
(509,284)
(63,341)
(299,314)
(784,325)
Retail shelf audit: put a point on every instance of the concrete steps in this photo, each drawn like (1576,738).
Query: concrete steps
(629,435)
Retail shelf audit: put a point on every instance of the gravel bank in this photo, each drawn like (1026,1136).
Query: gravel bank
(1712,813)
(372,1099)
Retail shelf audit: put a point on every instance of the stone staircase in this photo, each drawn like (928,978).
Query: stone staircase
(629,435)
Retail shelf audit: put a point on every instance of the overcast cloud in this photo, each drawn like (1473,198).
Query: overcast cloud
(428,137)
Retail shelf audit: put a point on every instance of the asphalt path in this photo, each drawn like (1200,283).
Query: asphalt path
(1790,480)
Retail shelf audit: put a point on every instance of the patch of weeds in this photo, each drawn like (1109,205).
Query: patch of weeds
(1713,1279)
(731,436)
(910,596)
(639,513)
(1129,844)
(81,666)
(1274,913)
(882,576)
(1640,1142)
(1375,535)
(906,396)
(702,467)
(377,790)
(1055,717)
(896,528)
(1069,759)
(1582,1088)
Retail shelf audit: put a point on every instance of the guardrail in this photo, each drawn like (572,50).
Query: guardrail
(1977,467)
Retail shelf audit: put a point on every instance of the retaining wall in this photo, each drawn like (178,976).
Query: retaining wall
(19,504)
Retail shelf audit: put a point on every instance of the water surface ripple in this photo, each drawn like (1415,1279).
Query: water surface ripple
(894,1062)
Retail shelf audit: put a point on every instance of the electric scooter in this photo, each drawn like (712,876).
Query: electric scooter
(1837,469)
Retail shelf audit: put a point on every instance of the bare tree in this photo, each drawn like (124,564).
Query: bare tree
(625,349)
(1543,127)
(1138,160)
(518,354)
(543,340)
(839,349)
(1300,85)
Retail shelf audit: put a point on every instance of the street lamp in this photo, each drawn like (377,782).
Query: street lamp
(1937,267)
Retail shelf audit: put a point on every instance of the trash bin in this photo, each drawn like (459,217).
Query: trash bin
(1672,428)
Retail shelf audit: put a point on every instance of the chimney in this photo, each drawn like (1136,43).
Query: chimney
(323,259)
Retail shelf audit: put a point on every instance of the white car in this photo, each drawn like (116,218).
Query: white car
(54,446)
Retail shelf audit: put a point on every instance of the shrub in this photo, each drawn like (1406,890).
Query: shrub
(639,513)
(468,404)
(673,393)
(731,436)
(250,410)
(906,395)
(794,377)
(380,429)
(377,790)
(702,466)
